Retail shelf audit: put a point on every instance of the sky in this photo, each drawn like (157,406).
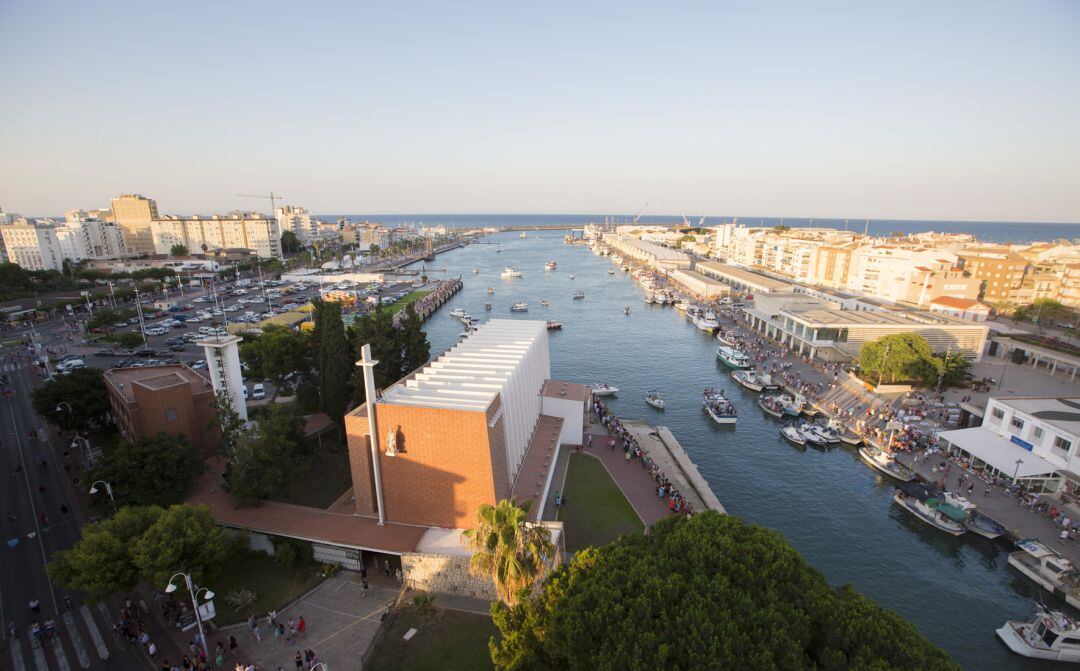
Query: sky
(963,110)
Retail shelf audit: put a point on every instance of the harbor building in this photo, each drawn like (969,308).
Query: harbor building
(743,280)
(700,285)
(648,253)
(1032,440)
(170,399)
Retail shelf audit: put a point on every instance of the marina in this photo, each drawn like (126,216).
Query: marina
(826,501)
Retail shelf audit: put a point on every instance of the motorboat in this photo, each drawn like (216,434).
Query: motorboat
(724,338)
(793,405)
(812,434)
(652,397)
(577,295)
(491,290)
(519,307)
(886,463)
(487,306)
(772,405)
(983,525)
(931,511)
(719,407)
(1051,635)
(748,379)
(681,306)
(792,435)
(649,298)
(510,272)
(610,271)
(522,235)
(475,271)
(571,275)
(626,310)
(1051,571)
(732,357)
(550,265)
(457,312)
(705,322)
(544,302)
(553,325)
(603,389)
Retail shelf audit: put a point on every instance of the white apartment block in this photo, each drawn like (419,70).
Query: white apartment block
(791,253)
(299,221)
(85,236)
(32,246)
(240,230)
(885,271)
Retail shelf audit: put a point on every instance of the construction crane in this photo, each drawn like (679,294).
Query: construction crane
(273,198)
(638,215)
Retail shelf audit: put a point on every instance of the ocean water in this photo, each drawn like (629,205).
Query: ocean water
(987,231)
(834,509)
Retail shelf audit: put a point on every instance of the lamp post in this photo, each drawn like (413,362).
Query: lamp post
(108,490)
(138,311)
(89,307)
(85,443)
(368,364)
(195,604)
(320,665)
(1016,470)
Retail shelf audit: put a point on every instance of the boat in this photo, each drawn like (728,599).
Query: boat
(610,271)
(519,307)
(724,338)
(983,525)
(929,511)
(522,235)
(792,435)
(578,295)
(553,325)
(544,302)
(849,438)
(812,435)
(793,405)
(649,298)
(652,397)
(886,463)
(498,248)
(1051,635)
(1044,565)
(626,310)
(550,265)
(487,306)
(732,357)
(510,272)
(571,275)
(772,405)
(603,389)
(719,407)
(475,271)
(682,305)
(706,322)
(491,290)
(748,379)
(457,312)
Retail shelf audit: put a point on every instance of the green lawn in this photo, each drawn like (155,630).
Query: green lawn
(596,512)
(327,479)
(445,640)
(406,299)
(275,586)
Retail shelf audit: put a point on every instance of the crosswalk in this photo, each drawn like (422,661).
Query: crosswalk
(12,367)
(68,650)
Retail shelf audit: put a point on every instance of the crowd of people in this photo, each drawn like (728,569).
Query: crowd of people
(443,290)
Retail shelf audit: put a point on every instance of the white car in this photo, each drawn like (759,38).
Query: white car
(245,392)
(258,392)
(194,320)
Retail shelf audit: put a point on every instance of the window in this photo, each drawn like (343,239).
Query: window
(1017,422)
(998,413)
(1062,444)
(170,414)
(1037,432)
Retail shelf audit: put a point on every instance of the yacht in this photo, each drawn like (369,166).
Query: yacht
(553,325)
(932,511)
(603,389)
(886,463)
(550,265)
(510,272)
(1047,568)
(732,357)
(457,312)
(706,322)
(519,307)
(578,295)
(652,397)
(719,407)
(1051,635)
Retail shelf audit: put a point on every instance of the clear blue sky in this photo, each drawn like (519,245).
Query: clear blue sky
(955,110)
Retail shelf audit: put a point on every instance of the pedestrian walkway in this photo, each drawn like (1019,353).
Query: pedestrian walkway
(635,484)
(83,637)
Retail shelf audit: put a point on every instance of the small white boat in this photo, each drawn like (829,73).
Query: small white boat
(748,379)
(886,463)
(927,512)
(544,303)
(571,275)
(475,270)
(457,312)
(732,357)
(681,306)
(705,323)
(983,525)
(510,272)
(792,435)
(1051,635)
(519,307)
(603,389)
(578,295)
(649,297)
(1044,565)
(550,265)
(626,310)
(522,236)
(773,405)
(725,338)
(491,290)
(652,397)
(610,271)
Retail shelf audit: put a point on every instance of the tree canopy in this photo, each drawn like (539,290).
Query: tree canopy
(899,356)
(335,361)
(178,250)
(265,459)
(508,549)
(704,592)
(154,470)
(277,353)
(290,244)
(399,349)
(77,401)
(183,538)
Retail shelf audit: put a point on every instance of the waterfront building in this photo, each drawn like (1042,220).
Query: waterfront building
(169,399)
(237,230)
(791,253)
(1033,440)
(1069,289)
(743,280)
(700,285)
(1000,271)
(648,253)
(135,214)
(833,264)
(372,234)
(961,308)
(886,271)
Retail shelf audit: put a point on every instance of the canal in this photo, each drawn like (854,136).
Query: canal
(836,511)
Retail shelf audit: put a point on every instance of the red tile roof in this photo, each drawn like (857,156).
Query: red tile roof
(959,303)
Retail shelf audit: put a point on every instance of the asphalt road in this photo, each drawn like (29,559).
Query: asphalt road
(84,638)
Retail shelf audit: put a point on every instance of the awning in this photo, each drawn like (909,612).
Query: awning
(998,453)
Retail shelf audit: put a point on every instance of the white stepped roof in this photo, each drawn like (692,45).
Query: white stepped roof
(469,374)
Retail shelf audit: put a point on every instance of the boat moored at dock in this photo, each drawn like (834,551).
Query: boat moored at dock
(1051,635)
(732,357)
(932,511)
(984,525)
(792,435)
(603,389)
(886,463)
(1047,568)
(748,379)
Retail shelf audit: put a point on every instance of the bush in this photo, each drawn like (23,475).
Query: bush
(241,598)
(292,553)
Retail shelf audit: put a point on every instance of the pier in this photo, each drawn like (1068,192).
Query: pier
(425,306)
(662,447)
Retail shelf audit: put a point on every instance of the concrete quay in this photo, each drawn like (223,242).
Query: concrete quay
(669,455)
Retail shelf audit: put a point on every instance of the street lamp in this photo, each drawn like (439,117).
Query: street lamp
(320,665)
(194,602)
(108,490)
(85,443)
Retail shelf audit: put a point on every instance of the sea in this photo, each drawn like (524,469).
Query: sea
(985,231)
(834,509)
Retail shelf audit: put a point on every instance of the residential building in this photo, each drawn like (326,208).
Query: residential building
(886,271)
(791,253)
(1042,281)
(32,245)
(86,236)
(372,234)
(1030,439)
(169,399)
(936,279)
(833,264)
(237,230)
(961,308)
(135,214)
(299,221)
(1069,290)
(1001,271)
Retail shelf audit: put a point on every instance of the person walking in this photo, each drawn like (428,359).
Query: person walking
(299,660)
(301,626)
(364,584)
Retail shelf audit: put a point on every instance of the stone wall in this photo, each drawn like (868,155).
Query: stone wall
(444,574)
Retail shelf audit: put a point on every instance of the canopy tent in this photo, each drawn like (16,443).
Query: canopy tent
(998,453)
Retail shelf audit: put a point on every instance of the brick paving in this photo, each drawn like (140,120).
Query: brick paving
(635,483)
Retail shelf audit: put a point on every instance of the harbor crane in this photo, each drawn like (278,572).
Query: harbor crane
(273,198)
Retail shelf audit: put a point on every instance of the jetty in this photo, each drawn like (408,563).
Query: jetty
(662,447)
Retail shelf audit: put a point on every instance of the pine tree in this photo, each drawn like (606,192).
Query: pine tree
(334,359)
(414,343)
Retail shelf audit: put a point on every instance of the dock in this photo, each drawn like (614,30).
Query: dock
(662,447)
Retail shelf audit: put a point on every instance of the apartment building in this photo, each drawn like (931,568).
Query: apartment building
(299,221)
(888,272)
(237,230)
(939,279)
(372,234)
(135,215)
(792,253)
(1069,290)
(1000,271)
(85,235)
(833,265)
(32,245)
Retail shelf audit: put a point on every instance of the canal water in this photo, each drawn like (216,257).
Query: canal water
(836,511)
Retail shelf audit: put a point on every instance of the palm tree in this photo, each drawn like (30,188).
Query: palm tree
(508,548)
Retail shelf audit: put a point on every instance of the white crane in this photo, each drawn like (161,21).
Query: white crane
(273,198)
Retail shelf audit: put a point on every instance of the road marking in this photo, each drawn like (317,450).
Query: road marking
(61,656)
(17,662)
(39,656)
(76,640)
(95,635)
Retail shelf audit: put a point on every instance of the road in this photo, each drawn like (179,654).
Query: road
(84,637)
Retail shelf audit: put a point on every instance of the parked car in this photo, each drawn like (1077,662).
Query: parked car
(177,348)
(105,353)
(199,365)
(258,392)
